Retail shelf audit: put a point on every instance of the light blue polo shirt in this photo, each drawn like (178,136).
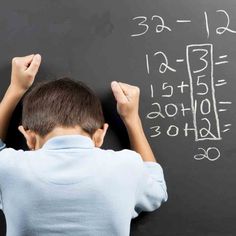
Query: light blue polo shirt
(69,187)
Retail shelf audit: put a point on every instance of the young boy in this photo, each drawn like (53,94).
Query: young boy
(66,184)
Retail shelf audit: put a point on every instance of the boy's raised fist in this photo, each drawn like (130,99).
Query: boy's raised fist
(127,97)
(24,70)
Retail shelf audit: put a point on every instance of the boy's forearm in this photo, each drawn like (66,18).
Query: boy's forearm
(7,106)
(138,140)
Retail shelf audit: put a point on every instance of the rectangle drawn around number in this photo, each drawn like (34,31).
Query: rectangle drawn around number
(199,58)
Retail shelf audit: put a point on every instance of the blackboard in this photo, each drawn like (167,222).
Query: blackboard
(182,55)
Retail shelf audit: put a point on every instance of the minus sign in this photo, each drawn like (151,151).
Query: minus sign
(223,56)
(225,102)
(221,84)
(221,62)
(179,60)
(183,21)
(225,130)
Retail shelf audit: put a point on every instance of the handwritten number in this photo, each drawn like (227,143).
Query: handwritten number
(223,29)
(212,154)
(157,131)
(155,114)
(162,26)
(202,84)
(202,58)
(206,130)
(171,89)
(164,65)
(141,24)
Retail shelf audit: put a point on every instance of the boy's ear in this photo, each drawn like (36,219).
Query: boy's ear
(29,137)
(99,135)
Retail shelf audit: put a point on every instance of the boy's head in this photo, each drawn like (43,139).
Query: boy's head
(65,104)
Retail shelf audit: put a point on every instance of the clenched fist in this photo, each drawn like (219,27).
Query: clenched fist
(24,70)
(127,97)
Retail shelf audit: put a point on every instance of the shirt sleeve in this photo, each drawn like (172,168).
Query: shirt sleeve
(152,190)
(8,158)
(2,145)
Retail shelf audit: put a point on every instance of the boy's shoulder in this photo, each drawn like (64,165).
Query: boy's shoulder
(10,160)
(8,152)
(125,156)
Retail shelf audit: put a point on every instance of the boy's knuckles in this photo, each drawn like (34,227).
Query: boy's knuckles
(122,103)
(29,74)
(15,61)
(136,90)
(36,64)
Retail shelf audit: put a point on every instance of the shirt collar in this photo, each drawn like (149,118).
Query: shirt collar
(68,142)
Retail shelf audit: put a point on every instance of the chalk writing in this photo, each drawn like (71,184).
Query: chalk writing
(201,85)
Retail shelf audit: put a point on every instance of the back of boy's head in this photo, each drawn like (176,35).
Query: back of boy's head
(61,103)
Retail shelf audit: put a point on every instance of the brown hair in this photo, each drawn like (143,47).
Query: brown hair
(62,102)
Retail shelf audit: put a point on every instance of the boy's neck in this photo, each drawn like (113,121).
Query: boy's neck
(59,131)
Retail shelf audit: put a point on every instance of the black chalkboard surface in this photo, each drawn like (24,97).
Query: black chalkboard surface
(182,55)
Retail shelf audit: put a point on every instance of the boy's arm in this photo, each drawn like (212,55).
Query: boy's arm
(127,98)
(7,106)
(151,187)
(23,73)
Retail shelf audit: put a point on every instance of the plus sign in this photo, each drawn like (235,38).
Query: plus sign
(181,86)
